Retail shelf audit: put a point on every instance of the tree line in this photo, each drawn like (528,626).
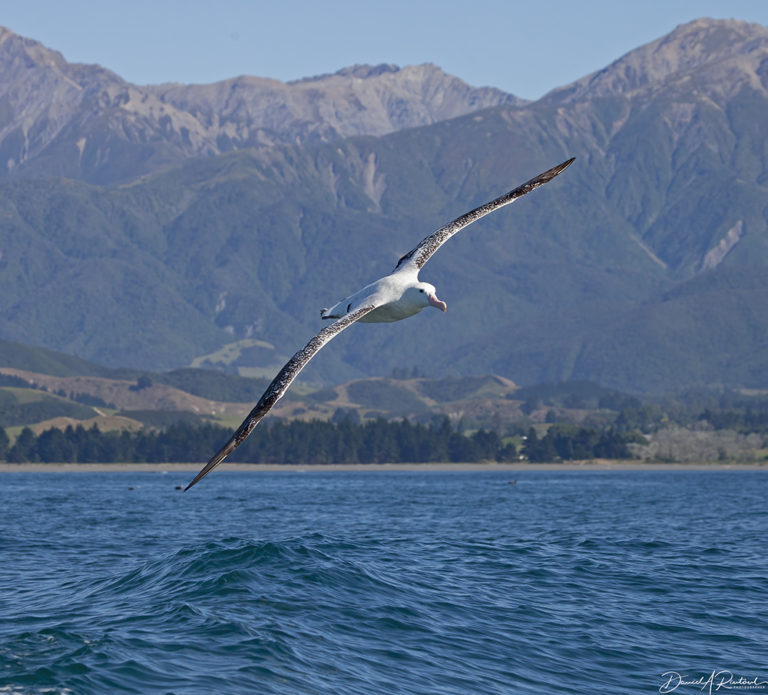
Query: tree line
(315,442)
(570,442)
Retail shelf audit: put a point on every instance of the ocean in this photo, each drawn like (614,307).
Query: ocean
(428,582)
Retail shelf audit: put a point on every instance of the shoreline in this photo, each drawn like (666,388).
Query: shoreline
(373,467)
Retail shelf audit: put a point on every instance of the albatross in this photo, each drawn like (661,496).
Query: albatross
(394,297)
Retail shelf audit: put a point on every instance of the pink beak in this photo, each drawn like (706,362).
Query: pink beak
(435,302)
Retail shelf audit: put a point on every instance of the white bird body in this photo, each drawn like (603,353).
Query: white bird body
(392,298)
(396,297)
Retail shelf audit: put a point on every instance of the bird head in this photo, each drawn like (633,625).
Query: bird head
(425,295)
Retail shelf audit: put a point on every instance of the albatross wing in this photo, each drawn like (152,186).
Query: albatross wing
(279,386)
(417,257)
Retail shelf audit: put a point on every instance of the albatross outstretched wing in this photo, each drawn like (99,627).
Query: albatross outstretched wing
(420,255)
(279,386)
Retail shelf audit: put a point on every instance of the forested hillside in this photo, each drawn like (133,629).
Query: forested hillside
(643,267)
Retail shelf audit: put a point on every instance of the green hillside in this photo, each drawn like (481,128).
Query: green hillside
(44,361)
(20,406)
(641,268)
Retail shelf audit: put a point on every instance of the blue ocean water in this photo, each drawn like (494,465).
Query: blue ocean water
(381,582)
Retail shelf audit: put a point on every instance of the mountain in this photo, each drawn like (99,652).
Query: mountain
(85,122)
(643,267)
(721,57)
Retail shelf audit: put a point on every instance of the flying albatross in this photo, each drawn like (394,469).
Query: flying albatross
(392,298)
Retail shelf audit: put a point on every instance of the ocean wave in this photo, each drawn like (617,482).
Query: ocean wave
(360,585)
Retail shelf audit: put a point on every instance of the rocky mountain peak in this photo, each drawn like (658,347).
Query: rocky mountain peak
(362,71)
(83,121)
(717,46)
(14,48)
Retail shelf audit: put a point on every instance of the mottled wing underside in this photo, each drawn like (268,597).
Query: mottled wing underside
(279,386)
(420,255)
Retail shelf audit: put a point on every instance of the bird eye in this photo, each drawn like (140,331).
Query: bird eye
(422,291)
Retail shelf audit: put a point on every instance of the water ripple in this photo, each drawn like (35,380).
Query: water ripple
(380,583)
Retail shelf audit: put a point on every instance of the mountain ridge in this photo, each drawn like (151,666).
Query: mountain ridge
(690,47)
(84,121)
(640,268)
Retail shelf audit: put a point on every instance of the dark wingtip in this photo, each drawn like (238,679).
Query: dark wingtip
(191,484)
(560,168)
(215,461)
(548,175)
(196,479)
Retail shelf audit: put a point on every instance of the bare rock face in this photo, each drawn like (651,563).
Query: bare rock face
(720,55)
(82,121)
(362,100)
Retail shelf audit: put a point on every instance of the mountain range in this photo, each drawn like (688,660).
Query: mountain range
(85,122)
(159,226)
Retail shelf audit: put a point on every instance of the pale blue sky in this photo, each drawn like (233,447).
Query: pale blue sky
(526,48)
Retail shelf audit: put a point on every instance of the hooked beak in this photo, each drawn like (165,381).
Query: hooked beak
(435,302)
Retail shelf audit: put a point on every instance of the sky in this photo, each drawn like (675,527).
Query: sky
(525,48)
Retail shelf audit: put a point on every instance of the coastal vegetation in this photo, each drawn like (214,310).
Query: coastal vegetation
(315,442)
(347,440)
(296,442)
(82,412)
(123,416)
